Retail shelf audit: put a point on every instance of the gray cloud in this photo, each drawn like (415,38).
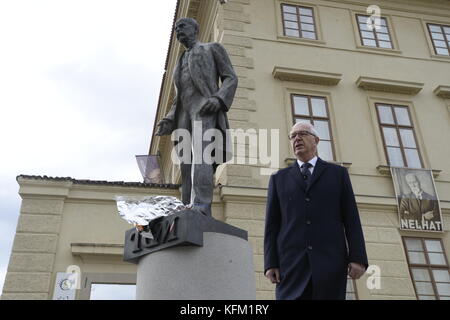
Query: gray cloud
(109,88)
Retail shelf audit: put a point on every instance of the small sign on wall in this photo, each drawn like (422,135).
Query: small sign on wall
(66,285)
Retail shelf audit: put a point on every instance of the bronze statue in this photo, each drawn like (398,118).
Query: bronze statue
(200,104)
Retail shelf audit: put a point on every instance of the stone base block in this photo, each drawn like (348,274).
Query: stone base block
(222,269)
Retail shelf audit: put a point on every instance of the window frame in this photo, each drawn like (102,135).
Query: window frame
(312,117)
(102,278)
(427,34)
(428,266)
(395,50)
(375,33)
(447,38)
(397,128)
(279,18)
(299,21)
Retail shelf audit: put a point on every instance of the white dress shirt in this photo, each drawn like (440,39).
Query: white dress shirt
(312,161)
(419,194)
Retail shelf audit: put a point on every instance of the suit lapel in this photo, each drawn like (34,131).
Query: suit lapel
(176,73)
(318,170)
(197,66)
(296,174)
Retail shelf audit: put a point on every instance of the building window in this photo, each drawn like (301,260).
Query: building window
(314,109)
(440,36)
(379,38)
(428,267)
(351,290)
(111,291)
(298,22)
(108,286)
(398,135)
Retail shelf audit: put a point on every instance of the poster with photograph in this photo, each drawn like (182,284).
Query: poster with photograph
(417,199)
(149,167)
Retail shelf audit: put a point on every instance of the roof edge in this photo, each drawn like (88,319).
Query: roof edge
(100,182)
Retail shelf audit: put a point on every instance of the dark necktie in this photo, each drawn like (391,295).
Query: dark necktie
(305,172)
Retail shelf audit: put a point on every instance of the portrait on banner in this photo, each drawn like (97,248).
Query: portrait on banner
(417,199)
(150,168)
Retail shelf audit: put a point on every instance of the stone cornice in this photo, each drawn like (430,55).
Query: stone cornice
(389,85)
(68,181)
(386,170)
(69,189)
(102,249)
(307,76)
(442,91)
(239,193)
(290,161)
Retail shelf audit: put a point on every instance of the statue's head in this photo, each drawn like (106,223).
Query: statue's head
(186,30)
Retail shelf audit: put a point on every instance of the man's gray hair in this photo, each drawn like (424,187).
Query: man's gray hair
(309,126)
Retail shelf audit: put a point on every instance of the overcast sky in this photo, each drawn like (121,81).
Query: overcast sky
(79,86)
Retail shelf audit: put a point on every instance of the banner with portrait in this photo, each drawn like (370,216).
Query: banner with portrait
(417,199)
(150,169)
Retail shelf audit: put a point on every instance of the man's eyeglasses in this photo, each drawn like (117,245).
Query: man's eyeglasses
(300,134)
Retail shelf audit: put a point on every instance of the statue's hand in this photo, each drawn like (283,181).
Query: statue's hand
(212,105)
(164,127)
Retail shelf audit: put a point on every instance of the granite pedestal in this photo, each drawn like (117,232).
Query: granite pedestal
(192,257)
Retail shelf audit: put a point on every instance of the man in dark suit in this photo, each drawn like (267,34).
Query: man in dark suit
(311,215)
(199,108)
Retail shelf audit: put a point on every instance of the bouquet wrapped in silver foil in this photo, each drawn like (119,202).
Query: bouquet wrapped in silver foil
(140,211)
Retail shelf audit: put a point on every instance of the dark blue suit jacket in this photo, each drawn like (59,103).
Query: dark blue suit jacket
(307,231)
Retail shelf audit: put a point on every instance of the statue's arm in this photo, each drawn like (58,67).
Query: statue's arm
(227,75)
(171,114)
(167,124)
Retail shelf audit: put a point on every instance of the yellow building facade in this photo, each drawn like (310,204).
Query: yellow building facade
(318,61)
(296,60)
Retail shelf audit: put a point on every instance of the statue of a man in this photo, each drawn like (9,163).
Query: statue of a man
(200,104)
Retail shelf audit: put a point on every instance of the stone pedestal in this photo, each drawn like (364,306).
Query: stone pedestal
(221,269)
(192,257)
